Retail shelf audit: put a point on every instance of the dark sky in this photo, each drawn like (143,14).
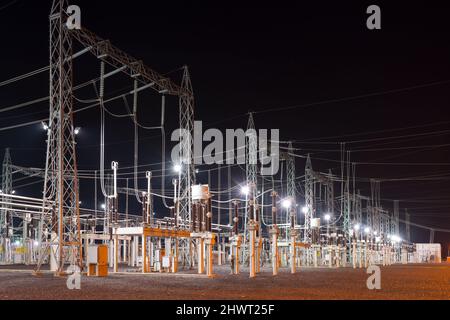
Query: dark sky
(343,80)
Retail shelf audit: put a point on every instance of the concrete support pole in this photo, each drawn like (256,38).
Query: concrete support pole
(191,254)
(360,254)
(330,252)
(344,255)
(354,254)
(338,256)
(365,255)
(274,233)
(125,251)
(235,247)
(111,253)
(210,240)
(116,253)
(134,251)
(201,256)
(252,231)
(293,252)
(175,257)
(53,251)
(314,251)
(224,251)
(219,253)
(144,254)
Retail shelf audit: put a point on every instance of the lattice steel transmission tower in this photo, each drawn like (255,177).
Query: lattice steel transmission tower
(358,208)
(60,227)
(290,176)
(5,214)
(309,200)
(375,206)
(395,221)
(251,149)
(251,168)
(330,194)
(407,226)
(347,201)
(386,223)
(290,183)
(187,178)
(369,216)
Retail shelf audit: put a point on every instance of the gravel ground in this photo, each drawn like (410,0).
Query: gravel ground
(397,282)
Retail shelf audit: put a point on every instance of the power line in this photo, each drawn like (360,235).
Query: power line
(355,97)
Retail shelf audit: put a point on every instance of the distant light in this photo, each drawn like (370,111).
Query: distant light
(245,190)
(77,130)
(367,230)
(327,217)
(36,243)
(103,206)
(286,203)
(177,168)
(1,191)
(13,192)
(375,233)
(357,227)
(17,243)
(377,239)
(197,171)
(44,126)
(305,210)
(389,236)
(396,239)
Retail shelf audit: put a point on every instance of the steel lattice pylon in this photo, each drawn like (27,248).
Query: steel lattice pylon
(407,226)
(395,220)
(60,228)
(251,167)
(309,199)
(290,176)
(6,189)
(252,149)
(369,216)
(187,174)
(358,208)
(330,194)
(187,177)
(290,168)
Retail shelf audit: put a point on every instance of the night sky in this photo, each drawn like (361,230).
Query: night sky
(314,71)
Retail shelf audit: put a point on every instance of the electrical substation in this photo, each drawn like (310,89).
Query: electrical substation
(299,219)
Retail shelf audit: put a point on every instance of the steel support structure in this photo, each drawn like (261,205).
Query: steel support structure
(5,213)
(309,200)
(395,221)
(407,226)
(61,180)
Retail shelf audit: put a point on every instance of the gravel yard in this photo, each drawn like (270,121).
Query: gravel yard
(397,282)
